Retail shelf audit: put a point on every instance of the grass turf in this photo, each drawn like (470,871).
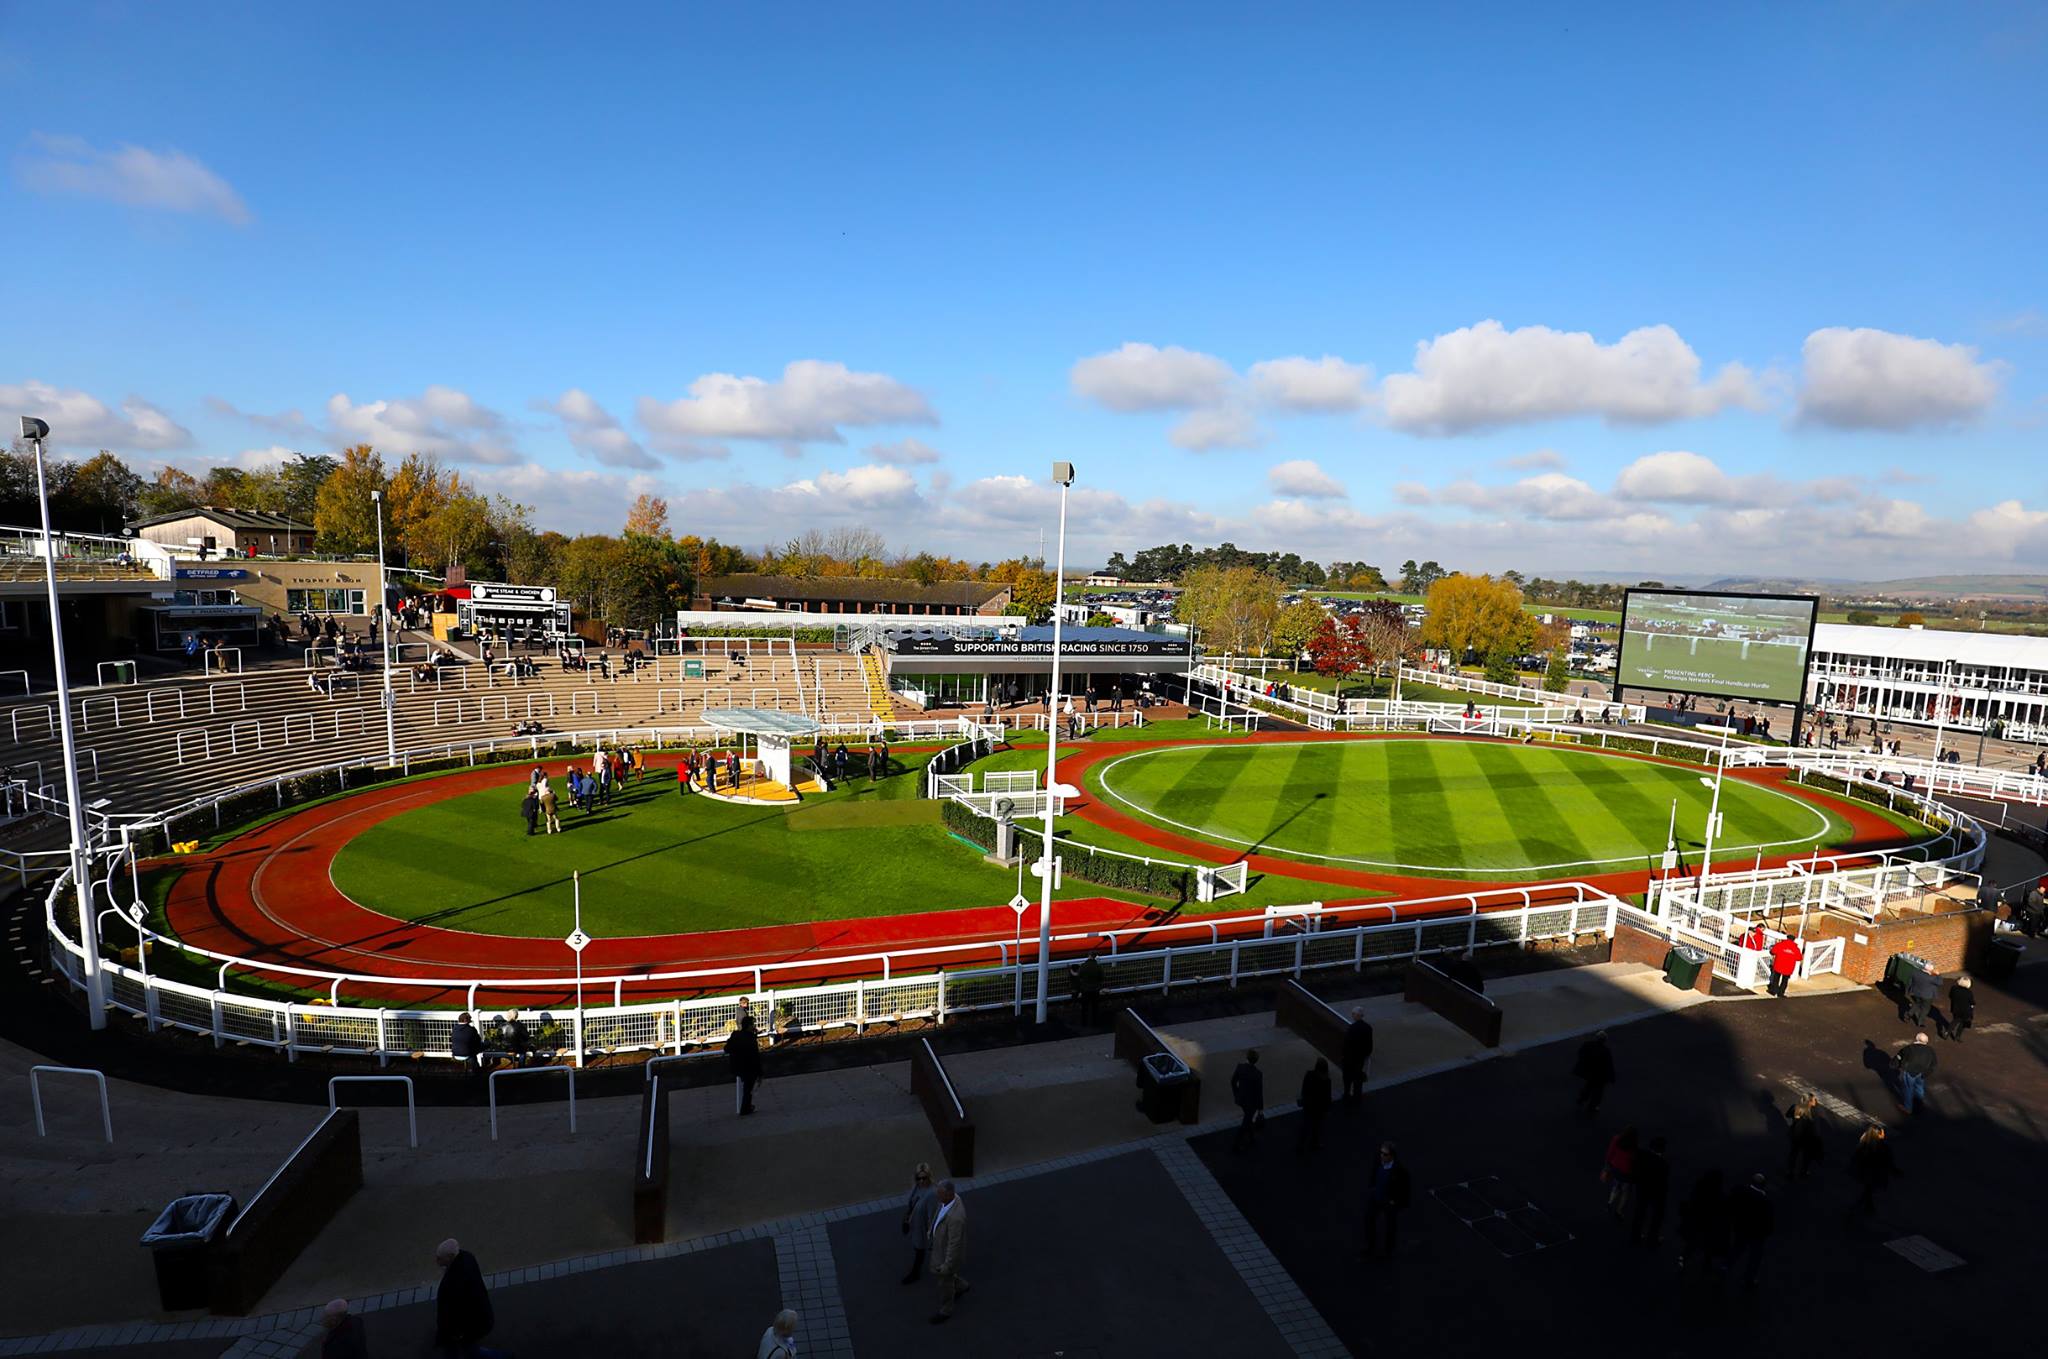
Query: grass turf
(657,863)
(1444,805)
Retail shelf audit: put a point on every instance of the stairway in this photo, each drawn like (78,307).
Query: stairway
(879,700)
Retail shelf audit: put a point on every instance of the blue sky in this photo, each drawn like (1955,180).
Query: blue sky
(1759,288)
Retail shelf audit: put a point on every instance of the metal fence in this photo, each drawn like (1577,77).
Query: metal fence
(1136,960)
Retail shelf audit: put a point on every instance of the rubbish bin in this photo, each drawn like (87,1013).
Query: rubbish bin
(1903,968)
(1161,1079)
(1682,966)
(178,1242)
(2001,956)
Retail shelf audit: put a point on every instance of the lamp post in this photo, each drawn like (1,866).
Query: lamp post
(1063,477)
(1713,814)
(35,431)
(383,642)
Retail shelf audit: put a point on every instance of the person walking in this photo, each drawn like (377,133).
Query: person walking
(1786,955)
(1921,989)
(1804,1146)
(743,1060)
(1872,1165)
(1652,1192)
(1595,1070)
(1357,1054)
(948,1248)
(1915,1063)
(548,811)
(1248,1091)
(918,1212)
(1315,1106)
(683,776)
(1386,1196)
(1962,1006)
(529,808)
(1751,1220)
(779,1340)
(462,1305)
(1618,1171)
(1703,1222)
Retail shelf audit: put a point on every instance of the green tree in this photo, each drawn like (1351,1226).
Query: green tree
(1557,671)
(1500,664)
(1100,620)
(344,516)
(1236,607)
(1297,623)
(1862,618)
(103,493)
(173,489)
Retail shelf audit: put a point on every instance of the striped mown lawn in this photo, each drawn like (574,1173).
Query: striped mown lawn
(1440,804)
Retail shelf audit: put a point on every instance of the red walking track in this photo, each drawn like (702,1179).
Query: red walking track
(267,895)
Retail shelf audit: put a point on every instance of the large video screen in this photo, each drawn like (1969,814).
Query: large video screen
(1726,645)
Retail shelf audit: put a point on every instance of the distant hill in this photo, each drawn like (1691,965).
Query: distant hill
(2030,589)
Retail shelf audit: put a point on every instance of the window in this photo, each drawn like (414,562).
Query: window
(323,601)
(13,615)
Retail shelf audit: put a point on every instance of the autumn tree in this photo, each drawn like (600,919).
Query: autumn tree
(1237,608)
(171,490)
(103,492)
(1557,671)
(1336,649)
(648,516)
(1031,588)
(1384,632)
(1476,614)
(344,516)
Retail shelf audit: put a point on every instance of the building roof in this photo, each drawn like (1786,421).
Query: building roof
(852,589)
(1933,644)
(239,520)
(759,722)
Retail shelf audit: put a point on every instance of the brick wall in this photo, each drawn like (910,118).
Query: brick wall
(1951,940)
(1631,945)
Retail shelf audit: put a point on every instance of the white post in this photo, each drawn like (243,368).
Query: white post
(576,887)
(1940,713)
(1052,742)
(383,640)
(1713,817)
(88,928)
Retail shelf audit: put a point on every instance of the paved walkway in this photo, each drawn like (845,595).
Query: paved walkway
(1093,1232)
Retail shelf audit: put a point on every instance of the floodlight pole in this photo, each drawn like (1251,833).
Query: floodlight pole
(1713,816)
(1063,473)
(35,431)
(383,640)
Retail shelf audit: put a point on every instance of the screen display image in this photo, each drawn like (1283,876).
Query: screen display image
(1730,646)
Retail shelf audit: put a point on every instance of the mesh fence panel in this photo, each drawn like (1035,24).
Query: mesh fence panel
(1264,958)
(1130,974)
(985,990)
(254,1023)
(626,1029)
(916,998)
(1328,950)
(701,1022)
(1201,964)
(819,1009)
(1450,934)
(338,1029)
(182,1007)
(1381,945)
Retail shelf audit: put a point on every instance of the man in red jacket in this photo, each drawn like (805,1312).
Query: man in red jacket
(1786,955)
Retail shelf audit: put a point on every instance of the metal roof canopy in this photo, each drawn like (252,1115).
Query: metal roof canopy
(759,722)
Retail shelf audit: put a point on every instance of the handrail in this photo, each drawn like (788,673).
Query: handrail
(491,1084)
(35,1091)
(412,1117)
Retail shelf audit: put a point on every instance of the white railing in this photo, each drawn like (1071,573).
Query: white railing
(1581,703)
(947,980)
(412,1113)
(35,1092)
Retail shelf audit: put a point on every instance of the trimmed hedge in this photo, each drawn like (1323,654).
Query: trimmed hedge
(1174,882)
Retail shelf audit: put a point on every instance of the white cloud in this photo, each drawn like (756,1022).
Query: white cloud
(80,420)
(904,452)
(596,433)
(134,175)
(1542,460)
(1547,495)
(1143,377)
(1684,478)
(2010,529)
(1873,379)
(807,404)
(866,488)
(441,420)
(571,500)
(1880,518)
(1217,427)
(1487,375)
(1303,479)
(1325,385)
(285,422)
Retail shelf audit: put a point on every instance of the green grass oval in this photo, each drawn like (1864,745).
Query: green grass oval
(1435,805)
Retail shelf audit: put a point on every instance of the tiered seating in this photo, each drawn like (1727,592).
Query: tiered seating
(144,747)
(18,568)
